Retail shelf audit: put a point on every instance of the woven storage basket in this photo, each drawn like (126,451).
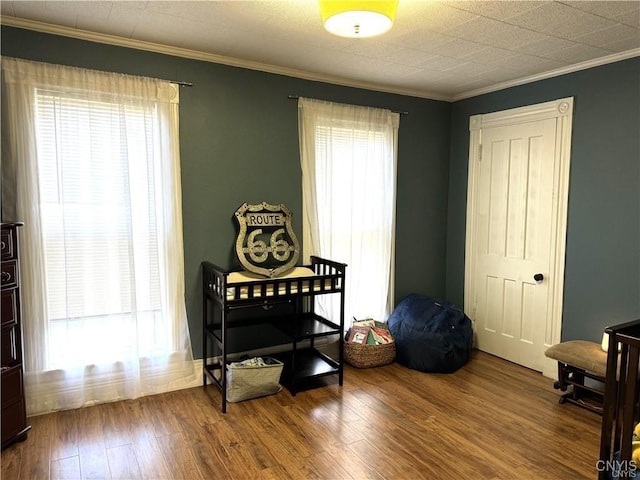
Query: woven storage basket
(365,356)
(244,382)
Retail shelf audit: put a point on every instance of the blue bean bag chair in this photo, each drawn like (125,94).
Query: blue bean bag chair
(430,335)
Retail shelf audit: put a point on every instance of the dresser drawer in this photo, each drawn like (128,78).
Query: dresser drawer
(8,246)
(12,390)
(9,274)
(14,421)
(11,346)
(9,307)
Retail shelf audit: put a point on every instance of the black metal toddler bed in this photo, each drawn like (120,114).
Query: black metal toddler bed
(621,412)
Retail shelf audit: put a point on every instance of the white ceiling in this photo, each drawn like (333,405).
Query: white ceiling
(436,49)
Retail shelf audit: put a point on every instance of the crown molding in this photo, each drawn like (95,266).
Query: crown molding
(291,72)
(616,57)
(208,57)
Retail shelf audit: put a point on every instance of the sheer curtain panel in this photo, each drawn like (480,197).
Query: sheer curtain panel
(91,166)
(348,157)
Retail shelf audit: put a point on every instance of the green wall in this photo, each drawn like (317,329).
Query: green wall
(602,271)
(239,143)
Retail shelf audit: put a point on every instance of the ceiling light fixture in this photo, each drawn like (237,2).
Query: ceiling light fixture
(358,19)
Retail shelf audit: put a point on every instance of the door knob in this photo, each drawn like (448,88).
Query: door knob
(538,277)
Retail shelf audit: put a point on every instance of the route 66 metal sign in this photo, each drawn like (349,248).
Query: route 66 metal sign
(266,243)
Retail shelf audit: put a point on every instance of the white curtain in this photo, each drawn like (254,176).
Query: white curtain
(348,156)
(91,166)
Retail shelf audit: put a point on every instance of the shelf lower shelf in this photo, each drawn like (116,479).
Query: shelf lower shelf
(308,365)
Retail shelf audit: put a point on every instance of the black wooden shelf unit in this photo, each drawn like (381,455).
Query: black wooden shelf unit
(229,309)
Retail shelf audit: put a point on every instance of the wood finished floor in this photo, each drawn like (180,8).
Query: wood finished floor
(489,420)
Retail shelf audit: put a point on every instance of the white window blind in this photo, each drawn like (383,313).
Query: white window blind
(354,186)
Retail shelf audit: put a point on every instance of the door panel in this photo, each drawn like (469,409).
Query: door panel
(513,239)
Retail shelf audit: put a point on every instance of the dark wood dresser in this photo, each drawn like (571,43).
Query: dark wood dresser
(14,418)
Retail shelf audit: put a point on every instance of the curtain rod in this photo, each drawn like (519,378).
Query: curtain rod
(296,97)
(182,84)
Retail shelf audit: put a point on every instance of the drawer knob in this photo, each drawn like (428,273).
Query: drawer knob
(6,276)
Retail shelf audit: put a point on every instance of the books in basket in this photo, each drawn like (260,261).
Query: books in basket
(359,334)
(367,322)
(381,335)
(365,335)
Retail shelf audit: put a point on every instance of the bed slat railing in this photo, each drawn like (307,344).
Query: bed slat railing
(328,277)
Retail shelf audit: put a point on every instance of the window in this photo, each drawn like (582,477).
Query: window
(348,157)
(100,235)
(98,188)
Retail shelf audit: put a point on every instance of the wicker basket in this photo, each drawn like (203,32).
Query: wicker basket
(365,356)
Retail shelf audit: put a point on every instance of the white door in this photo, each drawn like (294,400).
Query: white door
(513,253)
